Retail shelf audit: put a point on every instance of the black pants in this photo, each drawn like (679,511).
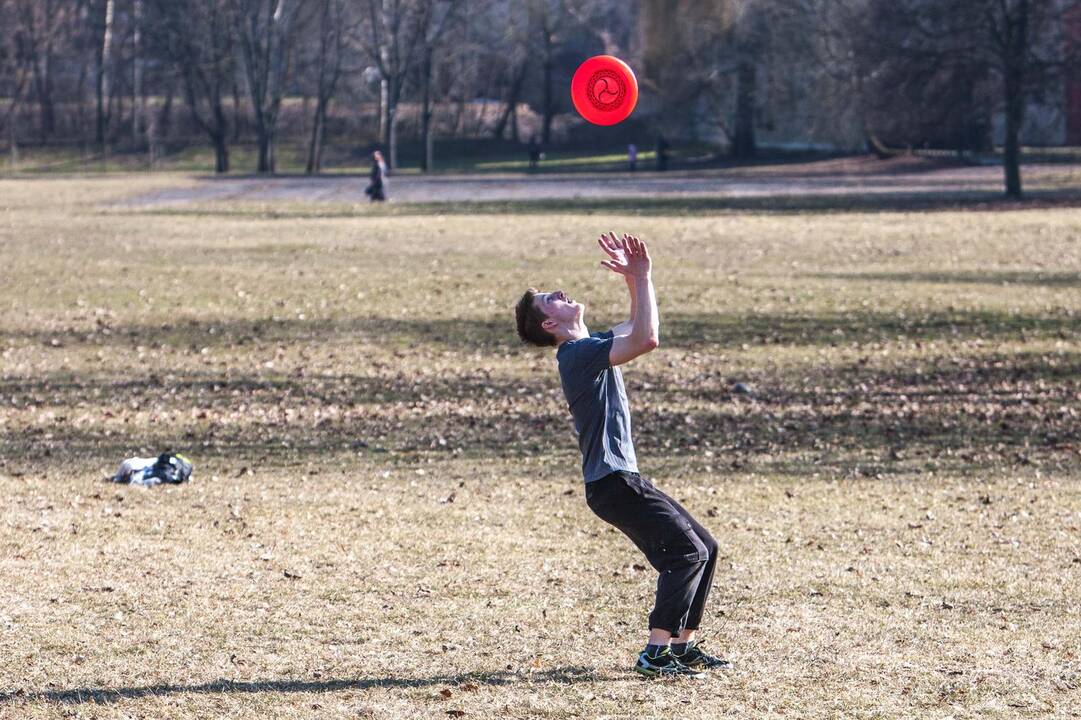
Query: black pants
(680,549)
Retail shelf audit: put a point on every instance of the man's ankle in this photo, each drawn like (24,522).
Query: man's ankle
(655,650)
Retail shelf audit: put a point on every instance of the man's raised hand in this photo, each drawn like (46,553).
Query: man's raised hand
(628,255)
(612,247)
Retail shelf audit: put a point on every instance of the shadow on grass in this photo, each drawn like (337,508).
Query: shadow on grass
(1053,279)
(957,410)
(939,405)
(854,202)
(104,696)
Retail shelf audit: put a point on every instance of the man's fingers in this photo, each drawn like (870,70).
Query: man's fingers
(609,246)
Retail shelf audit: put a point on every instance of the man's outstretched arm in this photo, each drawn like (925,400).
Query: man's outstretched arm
(636,266)
(625,327)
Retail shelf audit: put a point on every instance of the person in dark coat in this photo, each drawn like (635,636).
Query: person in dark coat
(534,154)
(662,153)
(376,189)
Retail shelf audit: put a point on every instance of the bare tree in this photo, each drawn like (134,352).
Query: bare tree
(434,19)
(837,49)
(266,30)
(547,18)
(396,34)
(198,38)
(38,24)
(513,48)
(332,32)
(16,68)
(1005,52)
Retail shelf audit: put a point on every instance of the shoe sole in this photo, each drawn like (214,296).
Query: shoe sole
(651,674)
(705,668)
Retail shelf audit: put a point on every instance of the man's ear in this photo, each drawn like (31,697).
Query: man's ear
(549,324)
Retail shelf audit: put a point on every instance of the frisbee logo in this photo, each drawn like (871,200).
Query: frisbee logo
(606,90)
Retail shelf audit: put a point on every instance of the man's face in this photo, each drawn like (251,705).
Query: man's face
(558,308)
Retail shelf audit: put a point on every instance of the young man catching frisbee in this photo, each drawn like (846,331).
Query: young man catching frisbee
(676,545)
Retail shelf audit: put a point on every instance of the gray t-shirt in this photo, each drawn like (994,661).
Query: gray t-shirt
(598,401)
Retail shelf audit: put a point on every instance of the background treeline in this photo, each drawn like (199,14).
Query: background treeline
(110,76)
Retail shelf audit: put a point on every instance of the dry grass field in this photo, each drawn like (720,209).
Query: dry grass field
(387,518)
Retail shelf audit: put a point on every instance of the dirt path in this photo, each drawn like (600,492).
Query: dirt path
(844,177)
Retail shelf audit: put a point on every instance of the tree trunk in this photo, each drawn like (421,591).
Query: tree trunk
(392,137)
(12,122)
(44,86)
(390,124)
(80,110)
(426,112)
(266,149)
(1015,112)
(104,77)
(221,154)
(13,143)
(315,147)
(1016,33)
(138,109)
(743,141)
(384,107)
(165,116)
(511,108)
(549,104)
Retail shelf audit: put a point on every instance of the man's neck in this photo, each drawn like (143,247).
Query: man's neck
(575,333)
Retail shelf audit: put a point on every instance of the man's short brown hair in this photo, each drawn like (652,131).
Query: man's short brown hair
(530,319)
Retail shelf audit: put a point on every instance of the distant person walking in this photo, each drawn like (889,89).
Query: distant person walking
(632,157)
(534,154)
(377,187)
(662,153)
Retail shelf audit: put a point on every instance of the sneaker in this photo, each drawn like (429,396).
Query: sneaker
(664,665)
(697,659)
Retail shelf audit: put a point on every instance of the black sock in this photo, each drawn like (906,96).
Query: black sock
(654,650)
(680,648)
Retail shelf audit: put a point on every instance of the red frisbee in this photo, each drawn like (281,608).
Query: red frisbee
(604,90)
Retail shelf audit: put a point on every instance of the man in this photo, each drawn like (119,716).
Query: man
(662,153)
(534,153)
(676,545)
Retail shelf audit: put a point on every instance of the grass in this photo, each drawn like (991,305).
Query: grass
(450,156)
(387,518)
